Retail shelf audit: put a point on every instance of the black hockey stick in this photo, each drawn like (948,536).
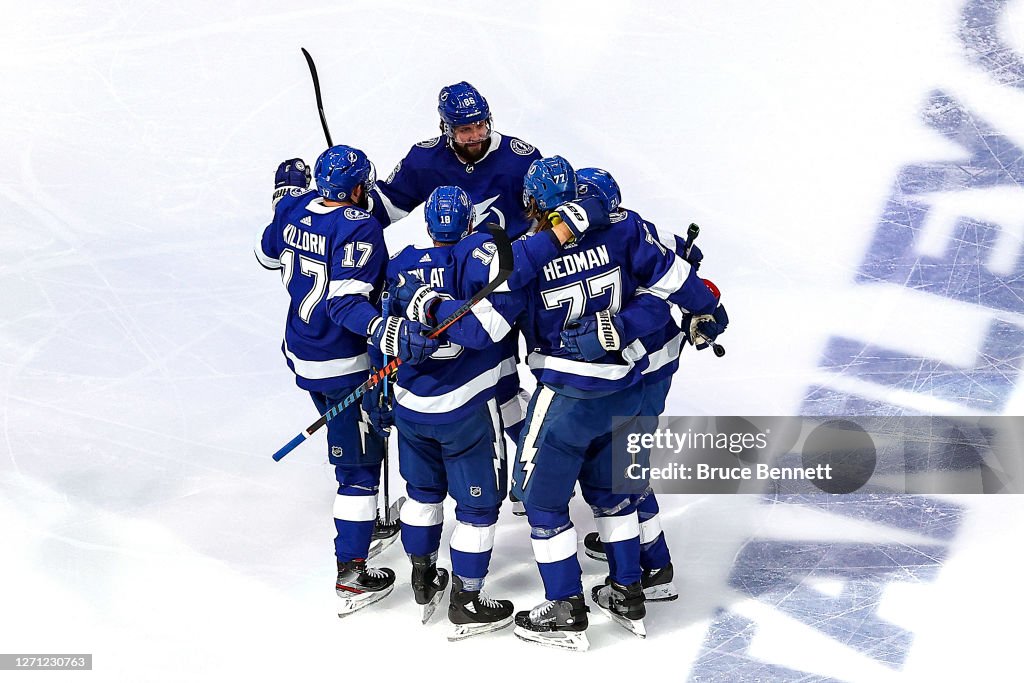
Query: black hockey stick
(505,265)
(691,235)
(319,100)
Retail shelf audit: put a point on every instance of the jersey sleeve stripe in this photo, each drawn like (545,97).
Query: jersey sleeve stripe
(394,213)
(673,280)
(327,369)
(666,354)
(493,322)
(345,287)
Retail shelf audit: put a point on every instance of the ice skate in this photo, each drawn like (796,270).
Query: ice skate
(593,546)
(359,586)
(428,584)
(518,509)
(560,624)
(624,604)
(473,613)
(658,585)
(384,532)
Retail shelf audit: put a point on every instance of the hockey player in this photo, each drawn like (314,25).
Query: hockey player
(649,318)
(332,259)
(449,423)
(470,154)
(488,165)
(569,424)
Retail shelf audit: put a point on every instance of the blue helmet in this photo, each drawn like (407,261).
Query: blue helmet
(550,182)
(596,182)
(449,214)
(460,104)
(340,169)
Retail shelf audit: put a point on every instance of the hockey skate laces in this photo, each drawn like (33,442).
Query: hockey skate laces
(374,573)
(538,612)
(488,601)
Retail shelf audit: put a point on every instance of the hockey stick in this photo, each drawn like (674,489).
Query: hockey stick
(691,235)
(319,101)
(505,265)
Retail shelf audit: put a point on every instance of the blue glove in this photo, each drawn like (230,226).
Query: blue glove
(379,411)
(292,176)
(414,299)
(701,330)
(694,256)
(591,338)
(400,338)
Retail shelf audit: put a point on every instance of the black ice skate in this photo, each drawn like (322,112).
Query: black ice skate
(658,586)
(359,586)
(624,604)
(556,623)
(473,613)
(385,529)
(428,584)
(593,546)
(518,509)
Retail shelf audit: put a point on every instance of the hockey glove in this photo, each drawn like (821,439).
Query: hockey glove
(401,338)
(414,299)
(378,409)
(292,177)
(701,330)
(579,216)
(592,338)
(693,256)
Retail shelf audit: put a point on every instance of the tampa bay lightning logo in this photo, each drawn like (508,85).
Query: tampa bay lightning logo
(521,148)
(484,208)
(428,143)
(353,157)
(354,214)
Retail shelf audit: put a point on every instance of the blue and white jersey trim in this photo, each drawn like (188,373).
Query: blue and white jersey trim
(457,397)
(327,369)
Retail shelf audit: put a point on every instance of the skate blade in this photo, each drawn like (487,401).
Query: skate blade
(634,626)
(463,631)
(601,557)
(662,593)
(573,641)
(428,609)
(353,602)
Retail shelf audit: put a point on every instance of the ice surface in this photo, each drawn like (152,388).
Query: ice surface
(856,170)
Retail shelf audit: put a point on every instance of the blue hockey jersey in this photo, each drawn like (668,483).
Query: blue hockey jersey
(332,262)
(602,271)
(475,359)
(494,183)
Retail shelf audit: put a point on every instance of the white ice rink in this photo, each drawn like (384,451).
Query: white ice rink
(856,170)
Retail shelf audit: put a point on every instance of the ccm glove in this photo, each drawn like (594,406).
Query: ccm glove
(594,337)
(414,299)
(401,338)
(292,175)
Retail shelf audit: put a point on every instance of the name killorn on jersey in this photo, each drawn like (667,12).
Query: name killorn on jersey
(571,264)
(306,241)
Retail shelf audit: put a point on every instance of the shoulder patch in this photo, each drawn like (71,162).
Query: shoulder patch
(394,172)
(354,214)
(618,216)
(521,148)
(298,191)
(432,142)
